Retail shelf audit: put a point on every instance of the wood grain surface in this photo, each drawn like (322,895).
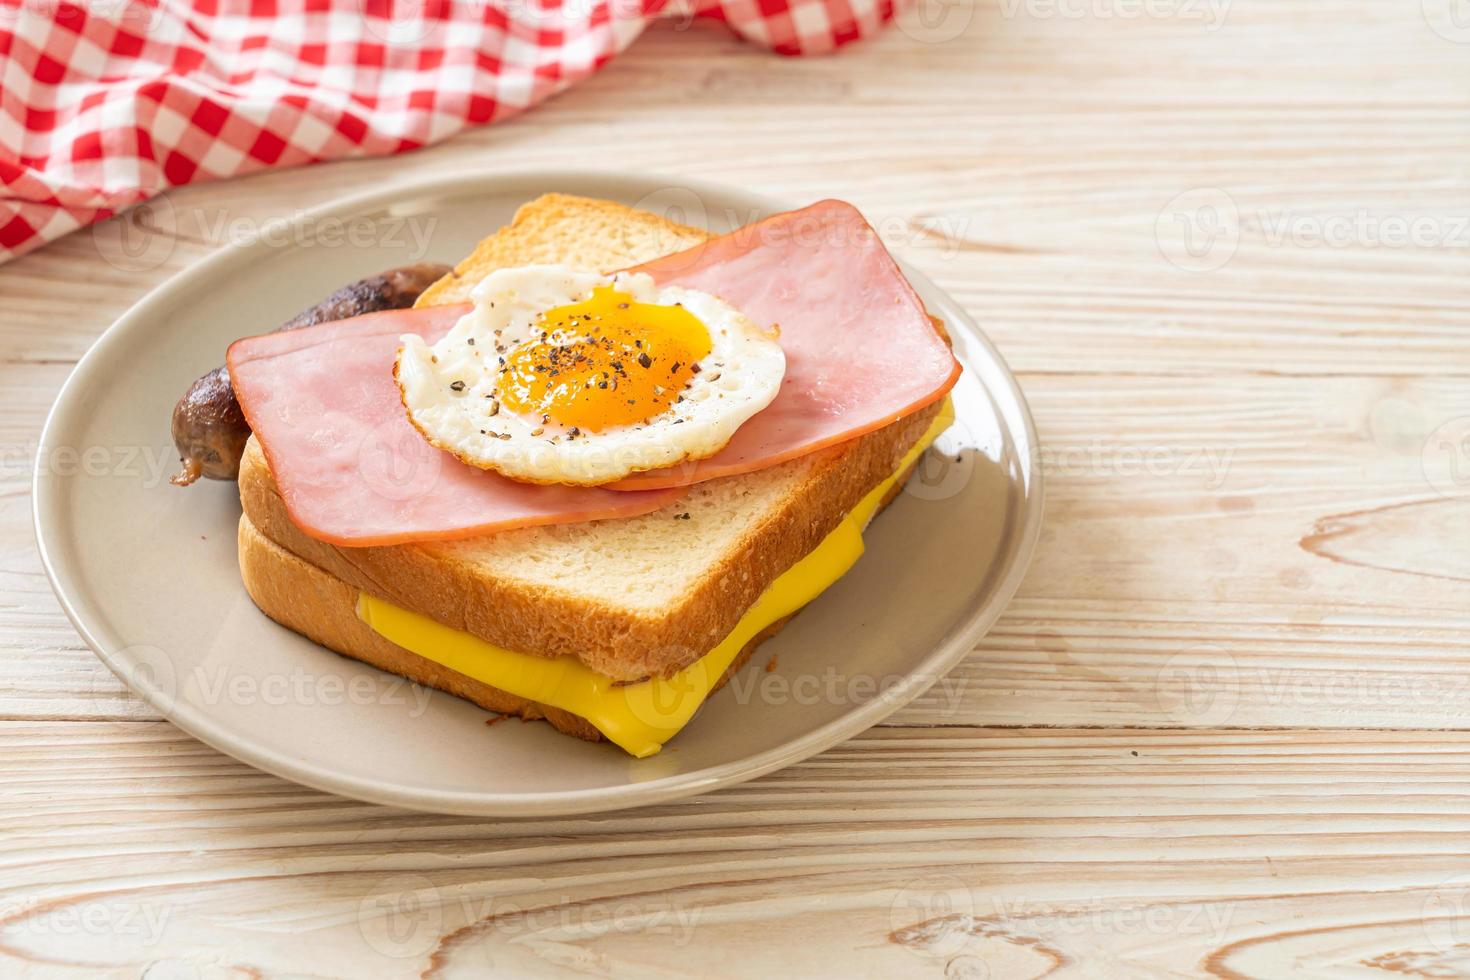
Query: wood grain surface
(1223,730)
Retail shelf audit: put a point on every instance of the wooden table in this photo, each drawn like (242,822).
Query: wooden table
(1225,726)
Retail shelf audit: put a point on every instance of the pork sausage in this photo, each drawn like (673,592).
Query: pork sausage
(208,427)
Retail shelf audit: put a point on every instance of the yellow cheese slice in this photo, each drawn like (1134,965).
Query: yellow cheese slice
(640,717)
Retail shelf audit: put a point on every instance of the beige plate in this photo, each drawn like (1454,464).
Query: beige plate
(147,571)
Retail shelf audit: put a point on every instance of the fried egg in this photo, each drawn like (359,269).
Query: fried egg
(560,375)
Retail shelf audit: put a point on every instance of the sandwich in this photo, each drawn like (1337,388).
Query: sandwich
(595,465)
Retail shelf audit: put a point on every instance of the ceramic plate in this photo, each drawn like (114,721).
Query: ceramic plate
(147,571)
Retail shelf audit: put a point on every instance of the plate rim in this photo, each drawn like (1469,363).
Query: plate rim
(46,504)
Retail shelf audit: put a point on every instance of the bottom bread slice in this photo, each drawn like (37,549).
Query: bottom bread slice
(302,597)
(323,608)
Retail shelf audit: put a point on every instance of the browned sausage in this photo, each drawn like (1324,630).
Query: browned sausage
(208,426)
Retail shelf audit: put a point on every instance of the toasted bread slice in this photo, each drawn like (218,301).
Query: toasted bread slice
(323,608)
(302,597)
(631,598)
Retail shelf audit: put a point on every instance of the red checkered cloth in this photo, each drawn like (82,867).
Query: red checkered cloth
(105,103)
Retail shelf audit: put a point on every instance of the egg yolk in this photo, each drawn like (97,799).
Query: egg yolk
(604,362)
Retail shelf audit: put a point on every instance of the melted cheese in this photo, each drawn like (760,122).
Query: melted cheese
(640,717)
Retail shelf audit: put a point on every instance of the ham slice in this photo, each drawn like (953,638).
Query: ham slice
(861,352)
(353,471)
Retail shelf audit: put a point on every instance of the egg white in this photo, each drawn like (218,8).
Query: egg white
(452,395)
